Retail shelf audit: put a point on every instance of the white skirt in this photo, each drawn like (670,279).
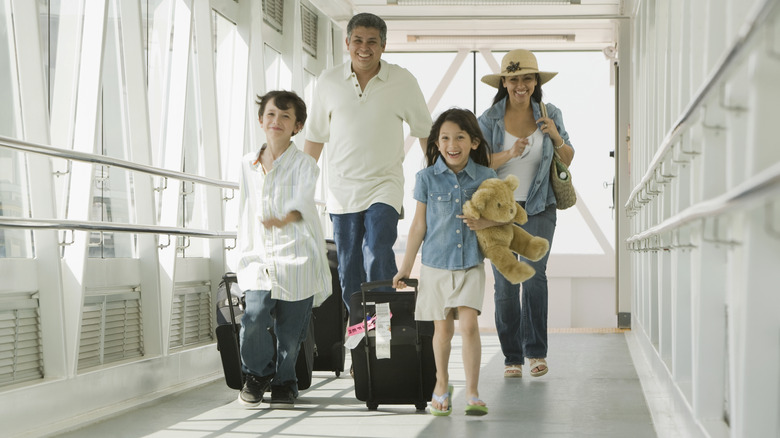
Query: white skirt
(441,291)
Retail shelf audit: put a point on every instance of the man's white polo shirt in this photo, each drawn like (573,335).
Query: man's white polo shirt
(363,130)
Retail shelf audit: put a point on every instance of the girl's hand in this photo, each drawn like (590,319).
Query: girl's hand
(477,224)
(398,279)
(549,128)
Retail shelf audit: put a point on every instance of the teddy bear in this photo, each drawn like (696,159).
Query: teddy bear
(494,200)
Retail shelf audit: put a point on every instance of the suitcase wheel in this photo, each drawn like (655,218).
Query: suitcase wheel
(338,373)
(372,406)
(421,406)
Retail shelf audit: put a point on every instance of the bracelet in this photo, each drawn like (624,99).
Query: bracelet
(563,142)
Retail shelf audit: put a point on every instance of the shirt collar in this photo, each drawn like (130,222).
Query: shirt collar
(384,71)
(440,167)
(280,160)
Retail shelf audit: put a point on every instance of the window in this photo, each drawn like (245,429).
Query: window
(21,358)
(273,13)
(191,316)
(110,328)
(309,31)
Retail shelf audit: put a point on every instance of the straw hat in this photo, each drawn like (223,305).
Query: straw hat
(518,62)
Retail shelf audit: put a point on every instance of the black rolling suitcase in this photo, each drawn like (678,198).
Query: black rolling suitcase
(229,312)
(409,375)
(330,323)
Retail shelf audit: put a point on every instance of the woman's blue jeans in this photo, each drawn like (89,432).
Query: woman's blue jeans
(364,246)
(522,327)
(289,320)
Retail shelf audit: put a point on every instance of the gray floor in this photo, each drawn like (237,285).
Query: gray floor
(592,389)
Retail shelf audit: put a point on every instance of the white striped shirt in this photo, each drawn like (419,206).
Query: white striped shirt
(291,261)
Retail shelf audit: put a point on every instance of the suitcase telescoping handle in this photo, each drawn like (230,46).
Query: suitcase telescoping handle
(371,285)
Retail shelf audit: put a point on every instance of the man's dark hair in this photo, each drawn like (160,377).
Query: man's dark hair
(368,20)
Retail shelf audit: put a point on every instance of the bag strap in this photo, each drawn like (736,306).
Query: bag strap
(543,107)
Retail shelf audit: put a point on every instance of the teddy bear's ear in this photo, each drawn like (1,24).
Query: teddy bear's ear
(512,182)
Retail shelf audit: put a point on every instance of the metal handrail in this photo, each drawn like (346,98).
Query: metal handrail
(761,186)
(760,16)
(66,224)
(85,157)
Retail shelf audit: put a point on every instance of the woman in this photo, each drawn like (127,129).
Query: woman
(522,142)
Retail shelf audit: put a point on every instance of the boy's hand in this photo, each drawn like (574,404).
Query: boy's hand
(273,222)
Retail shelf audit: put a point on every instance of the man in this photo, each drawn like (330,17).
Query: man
(359,109)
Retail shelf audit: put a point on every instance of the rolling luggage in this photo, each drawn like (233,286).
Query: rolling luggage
(229,312)
(330,323)
(409,374)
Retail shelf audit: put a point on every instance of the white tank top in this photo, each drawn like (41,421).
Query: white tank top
(525,166)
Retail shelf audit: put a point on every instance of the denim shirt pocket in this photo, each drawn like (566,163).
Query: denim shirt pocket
(441,203)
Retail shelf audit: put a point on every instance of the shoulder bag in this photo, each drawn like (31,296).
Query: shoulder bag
(560,177)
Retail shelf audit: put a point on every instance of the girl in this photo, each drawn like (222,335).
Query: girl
(452,276)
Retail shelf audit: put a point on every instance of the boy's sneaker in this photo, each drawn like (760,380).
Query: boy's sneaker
(282,397)
(251,394)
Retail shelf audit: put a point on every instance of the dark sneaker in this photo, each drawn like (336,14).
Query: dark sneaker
(254,387)
(282,397)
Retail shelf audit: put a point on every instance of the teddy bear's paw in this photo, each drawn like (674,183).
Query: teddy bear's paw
(518,273)
(536,249)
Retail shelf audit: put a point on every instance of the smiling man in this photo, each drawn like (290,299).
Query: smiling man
(359,109)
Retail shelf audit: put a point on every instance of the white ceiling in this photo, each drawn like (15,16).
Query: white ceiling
(445,25)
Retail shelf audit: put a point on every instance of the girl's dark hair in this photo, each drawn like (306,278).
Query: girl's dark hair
(283,100)
(502,93)
(467,122)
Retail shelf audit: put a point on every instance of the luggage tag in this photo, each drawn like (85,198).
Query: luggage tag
(356,332)
(382,330)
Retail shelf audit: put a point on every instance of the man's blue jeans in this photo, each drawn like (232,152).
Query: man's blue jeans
(289,319)
(522,327)
(364,245)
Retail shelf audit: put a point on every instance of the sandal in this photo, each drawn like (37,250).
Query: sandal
(537,364)
(440,399)
(474,408)
(513,371)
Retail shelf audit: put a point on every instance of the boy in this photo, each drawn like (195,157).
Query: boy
(283,266)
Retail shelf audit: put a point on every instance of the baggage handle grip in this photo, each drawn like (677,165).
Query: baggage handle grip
(371,285)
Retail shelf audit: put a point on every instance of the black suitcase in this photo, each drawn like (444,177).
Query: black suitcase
(330,323)
(229,311)
(409,375)
(228,329)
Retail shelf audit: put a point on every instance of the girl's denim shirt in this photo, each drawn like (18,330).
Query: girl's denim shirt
(540,195)
(449,243)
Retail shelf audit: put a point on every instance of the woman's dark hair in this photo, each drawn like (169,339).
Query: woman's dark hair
(467,121)
(370,21)
(283,100)
(502,93)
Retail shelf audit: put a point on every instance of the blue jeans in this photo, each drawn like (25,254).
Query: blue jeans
(289,320)
(364,246)
(522,327)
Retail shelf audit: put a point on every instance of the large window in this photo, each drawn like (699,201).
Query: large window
(14,196)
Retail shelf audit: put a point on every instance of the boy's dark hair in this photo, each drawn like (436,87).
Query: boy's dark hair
(368,20)
(283,100)
(467,122)
(502,92)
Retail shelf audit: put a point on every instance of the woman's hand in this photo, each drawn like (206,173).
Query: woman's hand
(549,128)
(478,224)
(518,148)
